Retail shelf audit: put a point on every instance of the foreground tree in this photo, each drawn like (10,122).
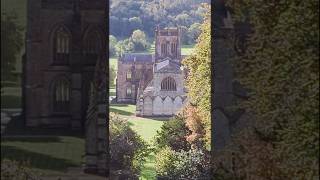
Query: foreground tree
(11,44)
(281,69)
(199,75)
(112,45)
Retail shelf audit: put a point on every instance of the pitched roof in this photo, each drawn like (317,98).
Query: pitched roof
(138,57)
(168,66)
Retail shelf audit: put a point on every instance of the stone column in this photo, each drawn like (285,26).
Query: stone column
(223,90)
(76,101)
(102,134)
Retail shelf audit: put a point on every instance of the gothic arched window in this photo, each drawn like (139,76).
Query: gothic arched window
(92,46)
(163,49)
(129,92)
(61,95)
(168,84)
(129,75)
(61,46)
(174,49)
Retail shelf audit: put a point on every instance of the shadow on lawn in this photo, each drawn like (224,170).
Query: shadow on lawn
(120,105)
(37,139)
(16,127)
(121,112)
(35,160)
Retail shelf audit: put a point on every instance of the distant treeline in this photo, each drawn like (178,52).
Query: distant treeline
(127,16)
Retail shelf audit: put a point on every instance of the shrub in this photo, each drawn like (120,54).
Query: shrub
(165,159)
(13,170)
(127,149)
(191,164)
(195,125)
(173,134)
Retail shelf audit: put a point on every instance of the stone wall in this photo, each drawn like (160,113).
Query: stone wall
(228,118)
(162,106)
(96,136)
(141,73)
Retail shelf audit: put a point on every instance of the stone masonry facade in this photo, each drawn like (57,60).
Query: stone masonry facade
(65,72)
(228,119)
(63,42)
(154,82)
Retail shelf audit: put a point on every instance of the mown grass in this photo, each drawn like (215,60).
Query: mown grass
(187,49)
(125,110)
(47,154)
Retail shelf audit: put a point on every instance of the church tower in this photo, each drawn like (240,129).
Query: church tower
(168,44)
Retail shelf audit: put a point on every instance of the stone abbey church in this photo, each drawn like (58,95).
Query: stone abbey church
(154,82)
(64,40)
(64,83)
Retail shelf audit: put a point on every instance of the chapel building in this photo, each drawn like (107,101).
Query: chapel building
(154,82)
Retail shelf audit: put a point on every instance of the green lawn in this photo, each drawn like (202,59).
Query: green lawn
(187,49)
(146,127)
(49,155)
(125,110)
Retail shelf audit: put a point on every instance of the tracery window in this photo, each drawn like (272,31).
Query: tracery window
(174,49)
(92,47)
(168,84)
(129,91)
(61,95)
(129,75)
(61,46)
(163,49)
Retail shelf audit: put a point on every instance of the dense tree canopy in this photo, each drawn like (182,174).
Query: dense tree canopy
(129,15)
(281,69)
(199,74)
